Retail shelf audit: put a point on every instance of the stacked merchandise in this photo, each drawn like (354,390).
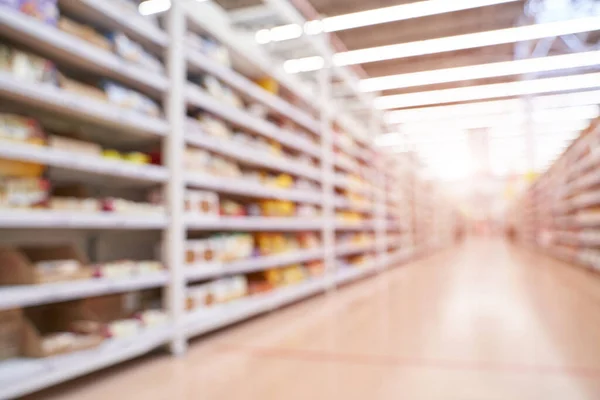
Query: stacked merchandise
(558,213)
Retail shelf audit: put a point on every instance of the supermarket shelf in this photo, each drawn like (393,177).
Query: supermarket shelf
(349,249)
(252,157)
(197,97)
(252,224)
(79,220)
(354,225)
(31,295)
(82,163)
(204,321)
(58,45)
(251,89)
(251,265)
(104,13)
(349,275)
(58,100)
(251,189)
(22,376)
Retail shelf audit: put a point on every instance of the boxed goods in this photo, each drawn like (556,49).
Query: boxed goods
(235,247)
(11,333)
(74,204)
(37,265)
(230,208)
(48,330)
(84,32)
(23,192)
(44,10)
(214,127)
(123,206)
(199,296)
(21,129)
(220,291)
(26,66)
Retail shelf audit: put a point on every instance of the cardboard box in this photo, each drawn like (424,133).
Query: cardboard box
(18,266)
(42,323)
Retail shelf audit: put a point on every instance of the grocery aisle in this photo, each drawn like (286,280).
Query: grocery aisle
(482,321)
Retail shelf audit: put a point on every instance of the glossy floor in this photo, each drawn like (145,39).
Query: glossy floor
(481,321)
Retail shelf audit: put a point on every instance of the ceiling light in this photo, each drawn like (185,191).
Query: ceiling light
(467,41)
(490,70)
(150,7)
(263,36)
(546,85)
(492,107)
(286,32)
(304,65)
(387,14)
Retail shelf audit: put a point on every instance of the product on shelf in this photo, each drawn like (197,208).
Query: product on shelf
(47,330)
(212,126)
(135,53)
(230,208)
(130,99)
(43,10)
(216,292)
(209,47)
(131,157)
(74,146)
(11,333)
(202,203)
(126,268)
(123,206)
(23,192)
(315,268)
(84,32)
(21,129)
(80,88)
(37,265)
(26,66)
(205,251)
(202,161)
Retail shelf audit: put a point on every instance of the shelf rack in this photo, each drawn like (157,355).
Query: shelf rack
(558,213)
(384,216)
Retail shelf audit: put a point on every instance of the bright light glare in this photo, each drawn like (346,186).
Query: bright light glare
(492,107)
(505,68)
(304,65)
(150,7)
(467,41)
(263,36)
(402,12)
(496,90)
(286,32)
(385,15)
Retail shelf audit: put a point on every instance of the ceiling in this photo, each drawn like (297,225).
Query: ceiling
(431,27)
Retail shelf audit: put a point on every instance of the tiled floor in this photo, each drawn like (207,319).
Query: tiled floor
(480,322)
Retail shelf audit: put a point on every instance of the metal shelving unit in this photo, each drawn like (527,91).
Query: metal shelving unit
(23,376)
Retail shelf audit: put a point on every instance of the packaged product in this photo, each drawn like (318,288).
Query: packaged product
(84,32)
(199,296)
(203,251)
(209,47)
(201,203)
(214,126)
(134,52)
(21,129)
(123,328)
(224,167)
(152,318)
(232,208)
(74,146)
(196,160)
(26,66)
(124,206)
(23,192)
(43,10)
(79,88)
(130,99)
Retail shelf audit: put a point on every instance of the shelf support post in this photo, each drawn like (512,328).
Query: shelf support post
(173,149)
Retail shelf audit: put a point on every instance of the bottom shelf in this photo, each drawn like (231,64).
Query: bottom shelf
(22,376)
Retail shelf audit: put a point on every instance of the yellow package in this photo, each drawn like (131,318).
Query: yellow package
(20,169)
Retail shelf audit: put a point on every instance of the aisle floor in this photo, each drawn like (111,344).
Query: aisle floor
(483,321)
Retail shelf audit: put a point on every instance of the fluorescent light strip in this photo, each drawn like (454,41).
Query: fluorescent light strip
(462,42)
(150,7)
(492,107)
(536,86)
(402,12)
(372,17)
(490,70)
